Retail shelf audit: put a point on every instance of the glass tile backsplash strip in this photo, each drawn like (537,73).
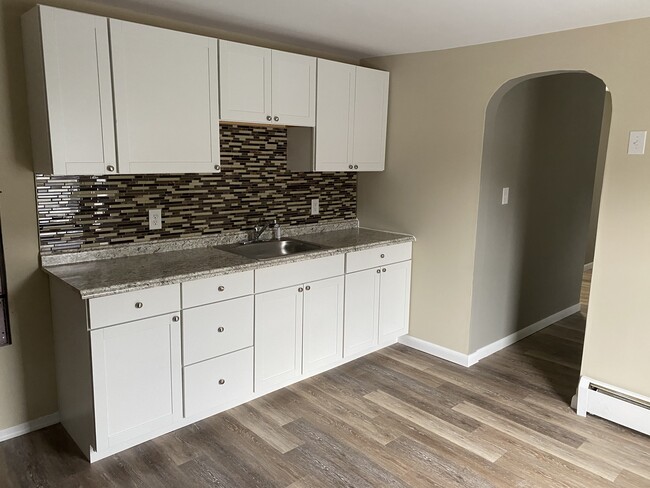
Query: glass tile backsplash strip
(77,213)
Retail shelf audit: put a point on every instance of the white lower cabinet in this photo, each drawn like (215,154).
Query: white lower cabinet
(136,370)
(322,327)
(135,365)
(278,337)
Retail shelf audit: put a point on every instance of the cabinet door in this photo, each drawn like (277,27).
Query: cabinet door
(323,324)
(370,119)
(166,100)
(245,82)
(361,311)
(278,338)
(293,89)
(75,67)
(394,301)
(335,117)
(136,379)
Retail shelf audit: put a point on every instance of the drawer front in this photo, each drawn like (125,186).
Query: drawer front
(276,277)
(216,329)
(217,288)
(377,256)
(134,305)
(218,381)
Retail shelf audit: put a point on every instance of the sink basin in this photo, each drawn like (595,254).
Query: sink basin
(270,249)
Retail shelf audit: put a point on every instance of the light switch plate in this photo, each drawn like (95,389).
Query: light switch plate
(505,196)
(155,219)
(637,142)
(315,206)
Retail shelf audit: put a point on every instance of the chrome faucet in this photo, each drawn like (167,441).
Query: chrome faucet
(259,229)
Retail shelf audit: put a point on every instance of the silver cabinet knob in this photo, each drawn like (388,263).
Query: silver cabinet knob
(383,270)
(217,167)
(139,305)
(307,287)
(110,168)
(175,318)
(356,166)
(222,381)
(268,117)
(300,289)
(276,118)
(220,329)
(378,271)
(221,288)
(350,166)
(382,256)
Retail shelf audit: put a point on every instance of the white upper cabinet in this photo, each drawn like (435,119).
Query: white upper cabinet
(335,120)
(166,100)
(263,86)
(67,61)
(370,119)
(245,82)
(351,121)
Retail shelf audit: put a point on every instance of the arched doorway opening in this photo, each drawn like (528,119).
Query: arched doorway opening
(541,177)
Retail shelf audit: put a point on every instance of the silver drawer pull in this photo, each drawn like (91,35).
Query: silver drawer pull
(307,287)
(378,271)
(220,329)
(222,381)
(382,256)
(221,288)
(139,305)
(383,270)
(300,290)
(175,318)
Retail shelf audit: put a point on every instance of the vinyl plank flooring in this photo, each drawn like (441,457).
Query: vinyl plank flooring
(398,417)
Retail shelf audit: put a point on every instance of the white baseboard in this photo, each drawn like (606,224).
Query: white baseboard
(485,351)
(435,350)
(470,359)
(28,427)
(588,266)
(612,407)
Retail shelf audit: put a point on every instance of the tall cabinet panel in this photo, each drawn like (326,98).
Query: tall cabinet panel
(370,120)
(293,89)
(70,95)
(361,311)
(335,118)
(166,100)
(245,80)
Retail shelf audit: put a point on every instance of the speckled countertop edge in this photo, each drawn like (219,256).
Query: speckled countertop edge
(223,267)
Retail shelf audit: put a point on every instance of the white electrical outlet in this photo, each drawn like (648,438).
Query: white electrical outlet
(315,207)
(505,196)
(155,219)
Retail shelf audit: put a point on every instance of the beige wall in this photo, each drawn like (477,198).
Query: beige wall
(529,253)
(431,185)
(27,387)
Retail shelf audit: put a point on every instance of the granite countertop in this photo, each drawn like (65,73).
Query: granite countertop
(104,277)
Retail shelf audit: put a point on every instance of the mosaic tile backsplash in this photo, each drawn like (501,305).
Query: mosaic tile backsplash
(79,213)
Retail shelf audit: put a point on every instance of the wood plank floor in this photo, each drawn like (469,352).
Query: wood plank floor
(395,418)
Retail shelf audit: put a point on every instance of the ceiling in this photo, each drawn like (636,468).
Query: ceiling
(367,28)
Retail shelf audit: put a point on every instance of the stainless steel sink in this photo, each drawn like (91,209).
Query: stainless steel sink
(270,249)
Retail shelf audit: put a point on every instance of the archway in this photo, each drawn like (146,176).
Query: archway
(544,147)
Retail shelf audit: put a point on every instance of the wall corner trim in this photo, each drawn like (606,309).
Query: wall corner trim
(485,351)
(468,360)
(435,350)
(612,403)
(27,427)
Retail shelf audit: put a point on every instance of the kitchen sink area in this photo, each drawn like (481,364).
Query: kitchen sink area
(270,249)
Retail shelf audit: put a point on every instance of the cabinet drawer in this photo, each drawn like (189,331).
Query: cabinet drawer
(216,329)
(276,277)
(217,288)
(378,256)
(134,305)
(218,381)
